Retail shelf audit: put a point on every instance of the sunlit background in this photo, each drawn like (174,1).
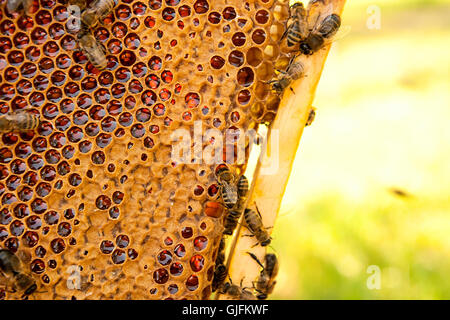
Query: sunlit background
(370,187)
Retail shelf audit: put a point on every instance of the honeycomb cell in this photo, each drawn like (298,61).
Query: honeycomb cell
(127,58)
(179,250)
(155,63)
(200,243)
(57,245)
(244,97)
(149,22)
(192,283)
(56,31)
(11,74)
(51,48)
(201,6)
(259,36)
(7,27)
(107,247)
(164,257)
(3,233)
(239,39)
(103,202)
(139,8)
(118,256)
(172,288)
(168,14)
(197,262)
(160,276)
(187,232)
(245,77)
(30,239)
(34,222)
(5,45)
(114,212)
(43,189)
(21,40)
(132,254)
(37,266)
(217,62)
(52,264)
(16,228)
(24,87)
(184,11)
(103,140)
(176,269)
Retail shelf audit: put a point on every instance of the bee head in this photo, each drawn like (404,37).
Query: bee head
(305,49)
(296,6)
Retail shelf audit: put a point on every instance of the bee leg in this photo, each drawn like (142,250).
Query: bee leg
(255,245)
(284,35)
(292,90)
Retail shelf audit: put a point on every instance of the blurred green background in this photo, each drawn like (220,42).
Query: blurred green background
(382,124)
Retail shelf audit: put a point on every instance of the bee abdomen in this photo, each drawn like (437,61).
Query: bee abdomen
(32,122)
(294,36)
(242,186)
(229,199)
(232,221)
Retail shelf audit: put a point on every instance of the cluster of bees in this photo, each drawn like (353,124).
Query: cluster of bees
(234,190)
(310,35)
(90,16)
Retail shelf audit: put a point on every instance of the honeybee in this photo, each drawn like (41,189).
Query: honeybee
(236,292)
(228,186)
(318,36)
(305,29)
(256,227)
(13,5)
(235,213)
(94,51)
(11,267)
(266,280)
(296,26)
(18,120)
(311,116)
(220,274)
(294,71)
(97,11)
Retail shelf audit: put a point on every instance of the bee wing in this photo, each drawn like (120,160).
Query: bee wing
(342,32)
(303,24)
(12,5)
(24,256)
(27,4)
(313,15)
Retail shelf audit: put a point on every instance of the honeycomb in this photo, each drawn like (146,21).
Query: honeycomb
(93,200)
